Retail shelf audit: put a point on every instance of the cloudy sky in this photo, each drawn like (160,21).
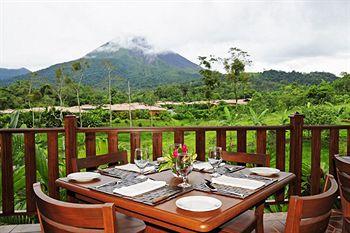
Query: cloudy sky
(285,35)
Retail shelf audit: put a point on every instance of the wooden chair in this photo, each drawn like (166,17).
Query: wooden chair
(343,173)
(241,157)
(309,214)
(63,217)
(247,221)
(92,162)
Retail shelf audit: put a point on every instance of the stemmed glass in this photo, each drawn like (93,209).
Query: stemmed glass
(141,160)
(184,167)
(175,146)
(215,158)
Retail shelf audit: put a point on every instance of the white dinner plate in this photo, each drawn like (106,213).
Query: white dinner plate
(264,171)
(83,176)
(198,203)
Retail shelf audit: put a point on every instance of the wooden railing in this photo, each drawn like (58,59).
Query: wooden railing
(287,136)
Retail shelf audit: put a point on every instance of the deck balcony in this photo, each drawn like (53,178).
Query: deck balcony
(304,150)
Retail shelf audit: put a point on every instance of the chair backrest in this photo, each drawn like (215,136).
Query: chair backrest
(343,172)
(311,214)
(57,216)
(93,162)
(241,157)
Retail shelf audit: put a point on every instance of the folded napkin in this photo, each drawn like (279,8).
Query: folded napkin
(140,188)
(132,167)
(238,182)
(202,165)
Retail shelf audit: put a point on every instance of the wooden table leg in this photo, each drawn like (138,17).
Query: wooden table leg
(259,213)
(71,197)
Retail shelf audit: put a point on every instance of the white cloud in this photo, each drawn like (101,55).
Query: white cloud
(305,36)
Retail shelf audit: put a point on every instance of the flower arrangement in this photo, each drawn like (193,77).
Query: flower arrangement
(175,151)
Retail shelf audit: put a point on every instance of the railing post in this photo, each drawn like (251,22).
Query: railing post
(112,142)
(90,147)
(179,136)
(157,144)
(280,158)
(135,142)
(296,148)
(221,138)
(348,143)
(70,127)
(52,150)
(30,170)
(315,161)
(200,145)
(261,141)
(333,149)
(7,173)
(241,140)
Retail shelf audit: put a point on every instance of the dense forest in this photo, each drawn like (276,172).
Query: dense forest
(269,92)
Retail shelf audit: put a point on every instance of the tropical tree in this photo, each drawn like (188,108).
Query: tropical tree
(58,89)
(78,69)
(108,65)
(210,77)
(150,99)
(235,65)
(129,99)
(31,96)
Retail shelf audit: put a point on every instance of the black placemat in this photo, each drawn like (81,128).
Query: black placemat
(154,197)
(222,169)
(236,192)
(124,174)
(119,173)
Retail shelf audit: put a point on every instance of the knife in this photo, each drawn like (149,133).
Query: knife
(210,186)
(105,184)
(208,183)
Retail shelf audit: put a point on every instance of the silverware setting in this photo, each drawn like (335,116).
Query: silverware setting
(108,183)
(230,169)
(209,184)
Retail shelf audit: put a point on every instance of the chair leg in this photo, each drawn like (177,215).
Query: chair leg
(259,213)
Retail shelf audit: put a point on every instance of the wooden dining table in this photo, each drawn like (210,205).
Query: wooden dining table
(167,216)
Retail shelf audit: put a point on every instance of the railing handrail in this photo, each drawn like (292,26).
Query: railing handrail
(169,128)
(31,130)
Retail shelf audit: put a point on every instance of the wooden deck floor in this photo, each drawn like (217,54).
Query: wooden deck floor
(270,220)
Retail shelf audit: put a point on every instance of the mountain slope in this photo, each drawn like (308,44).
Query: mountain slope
(134,60)
(273,79)
(9,73)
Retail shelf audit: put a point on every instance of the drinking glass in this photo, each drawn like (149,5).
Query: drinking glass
(175,146)
(215,159)
(184,167)
(141,160)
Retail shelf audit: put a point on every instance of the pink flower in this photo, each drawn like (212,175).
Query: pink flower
(184,149)
(175,154)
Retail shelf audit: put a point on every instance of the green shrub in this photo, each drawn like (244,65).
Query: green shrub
(320,115)
(95,118)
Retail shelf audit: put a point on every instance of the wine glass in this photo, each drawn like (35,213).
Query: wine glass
(215,158)
(175,146)
(184,167)
(141,161)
